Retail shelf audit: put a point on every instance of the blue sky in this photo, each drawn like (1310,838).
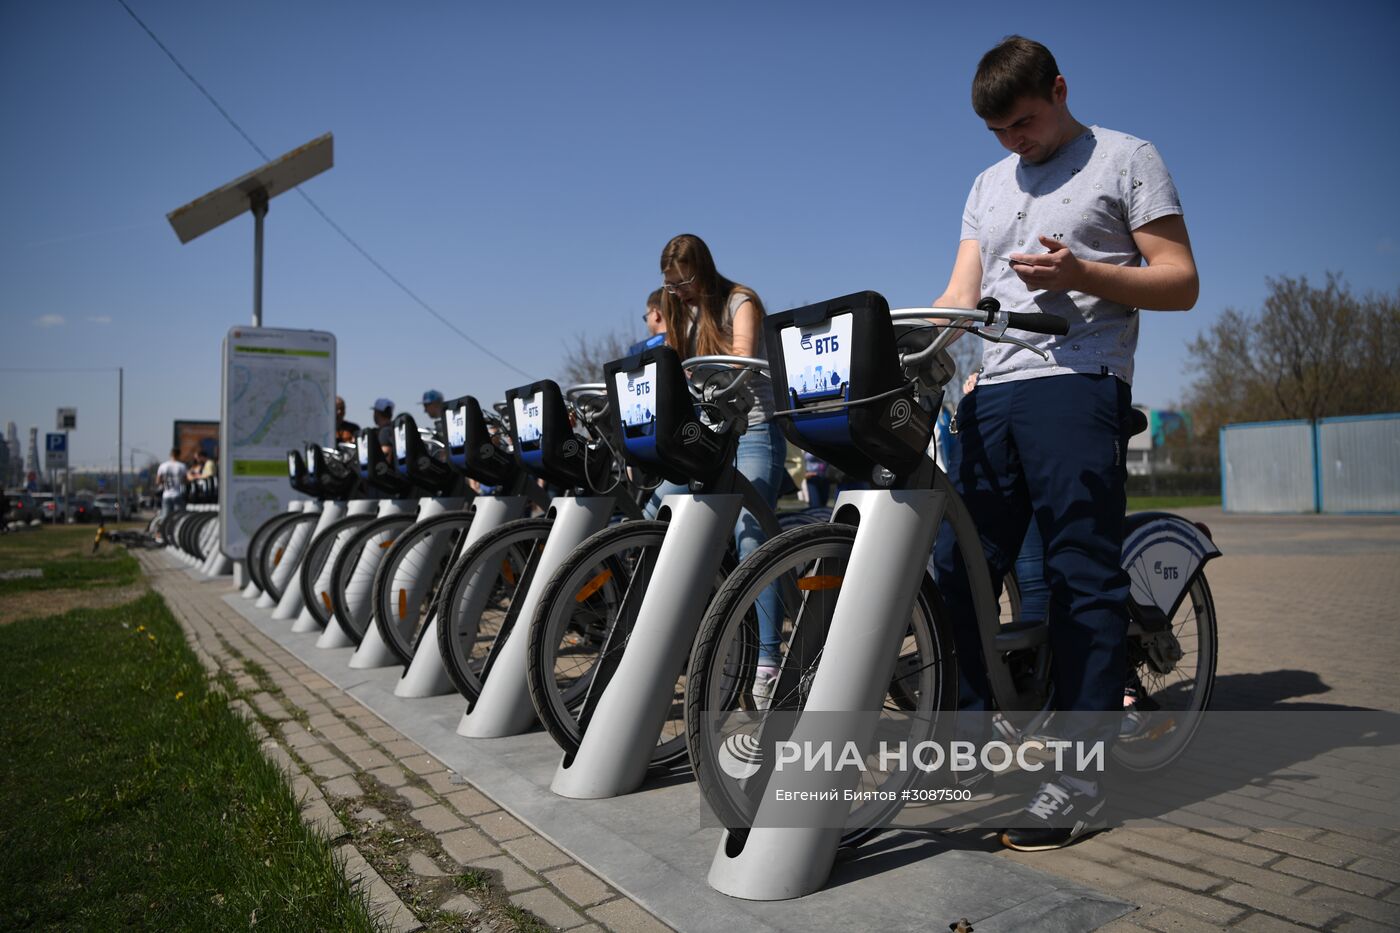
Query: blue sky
(520,166)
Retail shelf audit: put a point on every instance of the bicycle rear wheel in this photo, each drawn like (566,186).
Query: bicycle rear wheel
(407,580)
(323,551)
(475,605)
(352,576)
(581,629)
(1172,672)
(809,564)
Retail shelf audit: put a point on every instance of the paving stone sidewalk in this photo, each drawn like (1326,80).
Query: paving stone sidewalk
(1307,616)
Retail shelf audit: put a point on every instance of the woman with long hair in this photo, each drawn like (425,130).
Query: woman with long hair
(707,314)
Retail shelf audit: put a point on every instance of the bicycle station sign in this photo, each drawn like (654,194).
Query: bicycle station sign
(278,395)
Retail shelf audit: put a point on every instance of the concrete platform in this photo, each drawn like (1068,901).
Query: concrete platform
(655,846)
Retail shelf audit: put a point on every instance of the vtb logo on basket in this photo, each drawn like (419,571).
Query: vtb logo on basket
(740,756)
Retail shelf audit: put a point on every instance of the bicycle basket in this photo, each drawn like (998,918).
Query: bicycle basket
(842,351)
(653,413)
(545,442)
(469,445)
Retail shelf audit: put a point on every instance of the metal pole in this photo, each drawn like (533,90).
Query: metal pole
(259,202)
(121,492)
(67,481)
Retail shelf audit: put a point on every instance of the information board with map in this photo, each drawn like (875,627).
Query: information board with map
(278,395)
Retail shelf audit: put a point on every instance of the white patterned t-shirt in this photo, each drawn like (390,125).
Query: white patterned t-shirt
(1090,195)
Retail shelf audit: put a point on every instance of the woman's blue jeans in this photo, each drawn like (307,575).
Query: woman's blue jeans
(762,450)
(760,457)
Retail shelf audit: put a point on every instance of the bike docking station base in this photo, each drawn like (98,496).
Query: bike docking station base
(285,574)
(504,706)
(261,599)
(791,847)
(332,511)
(373,652)
(627,717)
(426,675)
(333,635)
(358,595)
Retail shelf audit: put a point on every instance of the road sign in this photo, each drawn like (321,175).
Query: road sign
(67,419)
(55,451)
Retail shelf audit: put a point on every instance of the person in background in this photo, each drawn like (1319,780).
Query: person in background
(433,406)
(345,431)
(706,314)
(656,325)
(170,477)
(383,409)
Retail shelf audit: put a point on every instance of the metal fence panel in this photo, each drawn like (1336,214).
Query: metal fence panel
(1359,463)
(1268,467)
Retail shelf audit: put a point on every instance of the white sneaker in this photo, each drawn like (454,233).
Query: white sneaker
(765,682)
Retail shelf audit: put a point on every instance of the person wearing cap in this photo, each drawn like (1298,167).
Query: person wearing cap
(432,404)
(384,421)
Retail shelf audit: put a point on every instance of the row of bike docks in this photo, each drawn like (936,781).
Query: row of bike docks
(519,555)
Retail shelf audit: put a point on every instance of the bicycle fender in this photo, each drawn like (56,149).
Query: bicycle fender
(1162,553)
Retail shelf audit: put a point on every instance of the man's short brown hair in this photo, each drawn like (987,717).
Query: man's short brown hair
(1018,67)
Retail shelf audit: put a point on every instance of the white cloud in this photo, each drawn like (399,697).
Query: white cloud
(49,320)
(99,319)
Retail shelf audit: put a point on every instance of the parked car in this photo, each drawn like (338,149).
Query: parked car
(44,506)
(106,506)
(85,511)
(23,508)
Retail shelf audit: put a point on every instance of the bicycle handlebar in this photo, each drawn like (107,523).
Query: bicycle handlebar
(1036,323)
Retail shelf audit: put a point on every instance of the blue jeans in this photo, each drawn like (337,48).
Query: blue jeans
(1047,451)
(760,457)
(1030,576)
(762,450)
(169,505)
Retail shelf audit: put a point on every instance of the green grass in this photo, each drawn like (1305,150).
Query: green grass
(1167,503)
(64,553)
(134,797)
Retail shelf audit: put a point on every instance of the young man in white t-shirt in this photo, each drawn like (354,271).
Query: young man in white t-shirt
(1084,223)
(170,477)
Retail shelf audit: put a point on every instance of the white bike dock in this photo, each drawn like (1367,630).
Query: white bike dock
(331,512)
(894,536)
(628,717)
(504,707)
(426,675)
(358,593)
(373,652)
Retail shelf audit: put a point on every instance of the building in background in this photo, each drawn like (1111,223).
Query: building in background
(6,468)
(32,464)
(16,475)
(1149,452)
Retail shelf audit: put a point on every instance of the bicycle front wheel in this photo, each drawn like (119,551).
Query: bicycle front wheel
(808,564)
(582,627)
(407,579)
(322,553)
(352,574)
(477,599)
(277,553)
